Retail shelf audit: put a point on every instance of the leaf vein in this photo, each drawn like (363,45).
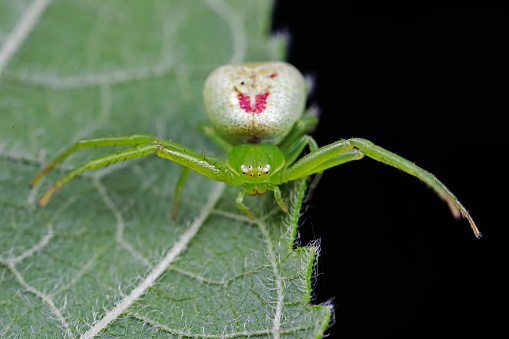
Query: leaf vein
(237,29)
(276,328)
(160,268)
(216,282)
(156,324)
(20,32)
(46,298)
(119,236)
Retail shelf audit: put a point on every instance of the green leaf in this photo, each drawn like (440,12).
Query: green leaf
(104,256)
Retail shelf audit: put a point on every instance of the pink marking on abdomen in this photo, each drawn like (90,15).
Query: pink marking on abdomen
(260,102)
(245,102)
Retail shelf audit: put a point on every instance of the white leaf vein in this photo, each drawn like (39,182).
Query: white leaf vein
(158,269)
(20,32)
(156,324)
(278,280)
(237,29)
(46,298)
(119,236)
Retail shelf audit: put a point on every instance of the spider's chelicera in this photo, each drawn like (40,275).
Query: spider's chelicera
(257,113)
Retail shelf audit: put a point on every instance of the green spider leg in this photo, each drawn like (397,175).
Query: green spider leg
(211,167)
(293,153)
(353,149)
(220,141)
(178,189)
(217,161)
(295,142)
(132,140)
(241,206)
(279,198)
(277,194)
(302,126)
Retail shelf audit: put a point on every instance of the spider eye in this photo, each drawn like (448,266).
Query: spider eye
(259,174)
(251,174)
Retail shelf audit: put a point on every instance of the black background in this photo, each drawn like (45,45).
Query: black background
(427,81)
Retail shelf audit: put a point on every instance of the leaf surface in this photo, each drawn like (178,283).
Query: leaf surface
(104,257)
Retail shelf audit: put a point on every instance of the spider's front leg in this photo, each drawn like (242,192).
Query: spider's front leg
(134,139)
(380,154)
(213,169)
(321,159)
(353,149)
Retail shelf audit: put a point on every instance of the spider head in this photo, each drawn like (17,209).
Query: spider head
(255,171)
(255,165)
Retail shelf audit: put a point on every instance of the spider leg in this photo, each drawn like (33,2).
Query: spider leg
(312,164)
(182,179)
(293,153)
(134,152)
(301,126)
(343,151)
(306,165)
(164,148)
(279,199)
(353,154)
(339,159)
(176,197)
(389,158)
(132,140)
(241,205)
(295,149)
(220,141)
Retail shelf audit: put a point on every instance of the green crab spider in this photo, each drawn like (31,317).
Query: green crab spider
(257,112)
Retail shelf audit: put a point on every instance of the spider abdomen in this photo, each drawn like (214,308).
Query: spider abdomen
(255,102)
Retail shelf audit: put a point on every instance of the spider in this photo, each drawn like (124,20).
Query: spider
(257,112)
